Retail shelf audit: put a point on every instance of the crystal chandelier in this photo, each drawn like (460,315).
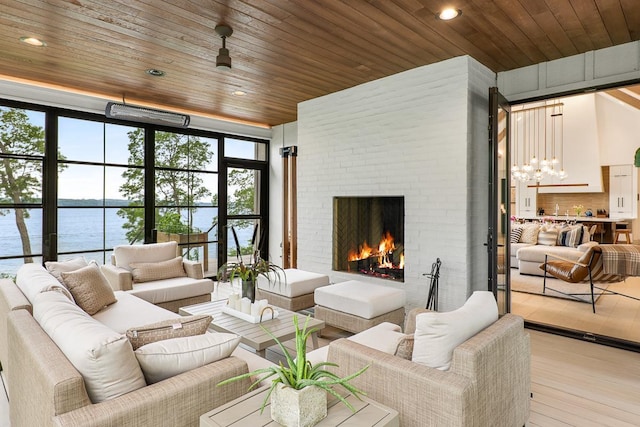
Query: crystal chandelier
(538,143)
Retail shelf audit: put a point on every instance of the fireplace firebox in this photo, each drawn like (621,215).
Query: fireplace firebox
(368,236)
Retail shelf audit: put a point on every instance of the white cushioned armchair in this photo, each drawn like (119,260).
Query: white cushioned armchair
(155,273)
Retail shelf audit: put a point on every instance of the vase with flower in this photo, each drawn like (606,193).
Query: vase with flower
(578,209)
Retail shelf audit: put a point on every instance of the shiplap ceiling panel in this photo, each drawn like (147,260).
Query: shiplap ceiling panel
(285,51)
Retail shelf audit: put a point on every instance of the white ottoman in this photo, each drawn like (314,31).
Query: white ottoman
(355,306)
(294,291)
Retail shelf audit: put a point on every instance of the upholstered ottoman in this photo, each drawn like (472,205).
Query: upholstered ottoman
(295,293)
(355,306)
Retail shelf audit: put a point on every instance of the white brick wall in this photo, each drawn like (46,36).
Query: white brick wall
(421,134)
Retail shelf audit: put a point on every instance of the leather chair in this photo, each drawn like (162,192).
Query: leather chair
(587,268)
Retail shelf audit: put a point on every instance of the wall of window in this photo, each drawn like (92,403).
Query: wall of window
(87,184)
(22,153)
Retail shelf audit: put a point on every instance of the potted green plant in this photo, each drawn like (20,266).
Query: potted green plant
(248,272)
(299,390)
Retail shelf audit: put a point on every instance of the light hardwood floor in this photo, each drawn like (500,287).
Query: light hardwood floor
(615,316)
(574,383)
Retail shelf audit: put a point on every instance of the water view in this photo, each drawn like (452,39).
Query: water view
(88,230)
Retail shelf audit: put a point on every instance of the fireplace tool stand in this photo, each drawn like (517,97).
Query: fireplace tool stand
(432,297)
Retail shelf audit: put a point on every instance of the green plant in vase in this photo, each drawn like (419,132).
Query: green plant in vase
(248,272)
(298,376)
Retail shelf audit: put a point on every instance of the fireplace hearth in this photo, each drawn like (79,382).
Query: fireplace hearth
(368,236)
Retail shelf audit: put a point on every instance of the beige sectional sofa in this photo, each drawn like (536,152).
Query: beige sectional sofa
(45,388)
(528,254)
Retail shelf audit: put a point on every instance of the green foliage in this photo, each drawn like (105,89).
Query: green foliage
(21,179)
(299,373)
(171,222)
(242,201)
(175,186)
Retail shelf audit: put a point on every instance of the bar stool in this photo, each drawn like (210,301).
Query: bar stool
(623,232)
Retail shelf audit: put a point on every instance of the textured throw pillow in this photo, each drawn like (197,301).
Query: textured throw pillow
(516,233)
(574,236)
(103,357)
(164,359)
(151,271)
(173,328)
(548,236)
(89,288)
(438,334)
(405,347)
(57,267)
(530,234)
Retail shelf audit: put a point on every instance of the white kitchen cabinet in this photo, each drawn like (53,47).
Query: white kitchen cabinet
(623,190)
(526,200)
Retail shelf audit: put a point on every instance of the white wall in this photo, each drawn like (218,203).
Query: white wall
(580,145)
(421,134)
(618,130)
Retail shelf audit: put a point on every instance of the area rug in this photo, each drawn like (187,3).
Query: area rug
(533,285)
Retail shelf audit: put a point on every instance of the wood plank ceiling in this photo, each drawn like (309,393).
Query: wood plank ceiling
(285,51)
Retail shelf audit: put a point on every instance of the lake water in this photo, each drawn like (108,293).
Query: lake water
(82,230)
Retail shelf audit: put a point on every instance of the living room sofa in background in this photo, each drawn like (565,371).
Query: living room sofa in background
(531,241)
(150,272)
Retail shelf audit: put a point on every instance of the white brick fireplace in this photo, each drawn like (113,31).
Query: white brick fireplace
(421,134)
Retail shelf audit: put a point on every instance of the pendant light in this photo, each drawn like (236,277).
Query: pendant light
(223,60)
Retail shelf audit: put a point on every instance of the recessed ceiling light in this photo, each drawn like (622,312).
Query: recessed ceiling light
(33,41)
(448,14)
(154,72)
(238,93)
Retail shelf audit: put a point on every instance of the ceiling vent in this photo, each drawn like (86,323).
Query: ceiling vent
(115,110)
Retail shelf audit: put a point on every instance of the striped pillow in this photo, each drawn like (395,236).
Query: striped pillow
(548,236)
(574,236)
(516,232)
(562,234)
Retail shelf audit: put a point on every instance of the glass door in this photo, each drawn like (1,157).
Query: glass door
(499,200)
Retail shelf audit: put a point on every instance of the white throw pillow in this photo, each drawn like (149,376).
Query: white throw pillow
(155,252)
(164,359)
(32,279)
(438,334)
(103,357)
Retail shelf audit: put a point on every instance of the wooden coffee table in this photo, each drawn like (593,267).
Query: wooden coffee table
(245,411)
(251,334)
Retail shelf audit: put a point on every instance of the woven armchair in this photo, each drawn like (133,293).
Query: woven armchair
(488,383)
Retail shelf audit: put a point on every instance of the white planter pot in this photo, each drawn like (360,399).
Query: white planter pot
(298,408)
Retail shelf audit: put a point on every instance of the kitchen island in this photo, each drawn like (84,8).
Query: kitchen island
(608,224)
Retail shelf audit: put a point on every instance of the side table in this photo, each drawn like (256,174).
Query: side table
(245,411)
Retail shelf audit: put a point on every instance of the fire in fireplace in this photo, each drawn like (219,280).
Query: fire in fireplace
(361,220)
